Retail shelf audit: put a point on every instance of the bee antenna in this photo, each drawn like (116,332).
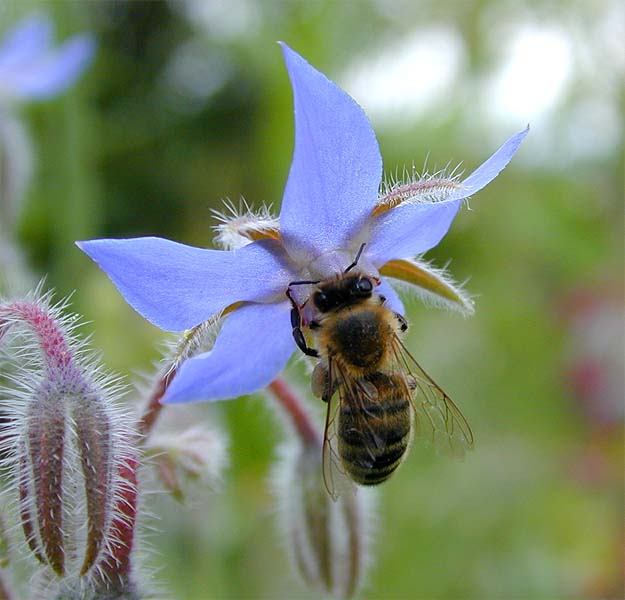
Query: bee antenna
(362,247)
(304,283)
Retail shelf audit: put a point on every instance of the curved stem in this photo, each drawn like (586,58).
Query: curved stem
(115,567)
(296,411)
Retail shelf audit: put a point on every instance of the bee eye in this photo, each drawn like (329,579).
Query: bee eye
(321,300)
(364,286)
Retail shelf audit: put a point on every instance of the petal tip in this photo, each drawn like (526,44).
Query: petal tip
(292,59)
(521,135)
(86,246)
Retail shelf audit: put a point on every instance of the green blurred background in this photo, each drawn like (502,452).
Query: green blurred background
(188,103)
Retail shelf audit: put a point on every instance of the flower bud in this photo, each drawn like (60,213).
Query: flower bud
(327,540)
(66,444)
(196,454)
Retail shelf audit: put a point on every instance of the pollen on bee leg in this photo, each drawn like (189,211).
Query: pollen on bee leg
(239,226)
(319,380)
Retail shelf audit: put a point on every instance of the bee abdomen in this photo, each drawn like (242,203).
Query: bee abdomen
(373,439)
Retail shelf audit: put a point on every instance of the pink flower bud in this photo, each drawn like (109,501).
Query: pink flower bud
(42,473)
(67,445)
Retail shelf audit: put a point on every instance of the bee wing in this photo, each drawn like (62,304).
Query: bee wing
(335,479)
(437,418)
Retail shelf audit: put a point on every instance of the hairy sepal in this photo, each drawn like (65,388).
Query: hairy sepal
(431,285)
(436,187)
(241,225)
(328,541)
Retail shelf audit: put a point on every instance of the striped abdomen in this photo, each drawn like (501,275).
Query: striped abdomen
(374,432)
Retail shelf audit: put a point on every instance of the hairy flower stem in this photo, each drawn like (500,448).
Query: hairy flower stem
(293,406)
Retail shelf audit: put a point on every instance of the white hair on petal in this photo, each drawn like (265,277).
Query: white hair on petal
(192,342)
(237,224)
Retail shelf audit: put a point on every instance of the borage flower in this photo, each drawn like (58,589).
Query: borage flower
(31,68)
(332,205)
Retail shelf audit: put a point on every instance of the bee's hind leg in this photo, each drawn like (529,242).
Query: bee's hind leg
(320,383)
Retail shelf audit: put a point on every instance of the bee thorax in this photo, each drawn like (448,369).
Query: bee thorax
(359,340)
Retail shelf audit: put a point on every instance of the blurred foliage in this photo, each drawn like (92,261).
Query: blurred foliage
(188,103)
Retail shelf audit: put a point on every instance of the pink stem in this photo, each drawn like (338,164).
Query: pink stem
(52,340)
(117,562)
(153,407)
(293,406)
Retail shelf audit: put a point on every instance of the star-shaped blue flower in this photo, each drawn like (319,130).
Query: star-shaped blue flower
(331,207)
(31,68)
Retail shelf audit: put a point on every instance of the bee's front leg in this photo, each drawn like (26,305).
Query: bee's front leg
(296,324)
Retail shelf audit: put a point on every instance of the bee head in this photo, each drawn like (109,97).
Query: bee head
(344,291)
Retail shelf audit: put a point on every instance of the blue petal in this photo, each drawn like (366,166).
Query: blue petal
(53,72)
(411,229)
(336,169)
(177,287)
(488,170)
(393,301)
(25,41)
(251,349)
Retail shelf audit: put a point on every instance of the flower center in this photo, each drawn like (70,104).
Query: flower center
(333,263)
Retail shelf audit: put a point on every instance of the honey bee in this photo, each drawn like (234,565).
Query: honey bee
(374,388)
